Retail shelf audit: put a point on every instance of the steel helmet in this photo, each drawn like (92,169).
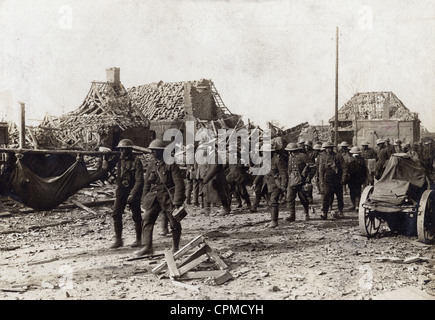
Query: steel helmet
(327,144)
(317,146)
(292,147)
(157,144)
(397,142)
(309,143)
(125,143)
(355,150)
(365,143)
(267,147)
(344,144)
(380,141)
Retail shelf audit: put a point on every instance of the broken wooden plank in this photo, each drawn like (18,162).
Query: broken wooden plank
(191,275)
(82,206)
(193,264)
(213,255)
(162,266)
(194,255)
(172,267)
(224,277)
(151,256)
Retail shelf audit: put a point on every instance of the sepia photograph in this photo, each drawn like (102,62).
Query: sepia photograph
(216,155)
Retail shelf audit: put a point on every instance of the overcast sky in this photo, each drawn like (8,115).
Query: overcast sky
(270,60)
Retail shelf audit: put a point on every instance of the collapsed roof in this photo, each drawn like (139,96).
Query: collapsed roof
(374,105)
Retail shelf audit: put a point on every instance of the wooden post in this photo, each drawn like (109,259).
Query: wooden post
(22,125)
(336,94)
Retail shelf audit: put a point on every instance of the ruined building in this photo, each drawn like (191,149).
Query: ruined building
(369,116)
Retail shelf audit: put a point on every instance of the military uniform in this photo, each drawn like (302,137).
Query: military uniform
(298,170)
(215,187)
(383,156)
(370,156)
(237,179)
(332,175)
(275,181)
(129,187)
(159,178)
(192,184)
(427,158)
(357,177)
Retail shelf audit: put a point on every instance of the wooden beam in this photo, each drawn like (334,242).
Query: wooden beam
(82,206)
(193,256)
(190,275)
(179,253)
(213,255)
(193,264)
(71,152)
(173,271)
(22,141)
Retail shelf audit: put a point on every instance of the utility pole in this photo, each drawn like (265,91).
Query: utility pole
(22,125)
(336,94)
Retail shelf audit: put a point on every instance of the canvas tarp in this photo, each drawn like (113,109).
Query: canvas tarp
(403,178)
(43,183)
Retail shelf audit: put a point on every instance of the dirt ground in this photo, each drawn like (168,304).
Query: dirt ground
(63,254)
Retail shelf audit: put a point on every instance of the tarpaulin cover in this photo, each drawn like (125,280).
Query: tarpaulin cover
(403,178)
(44,182)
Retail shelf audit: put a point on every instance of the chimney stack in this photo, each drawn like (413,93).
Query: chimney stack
(113,75)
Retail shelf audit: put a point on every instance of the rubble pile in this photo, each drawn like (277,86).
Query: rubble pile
(159,101)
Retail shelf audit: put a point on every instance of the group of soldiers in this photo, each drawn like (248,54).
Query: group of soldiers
(161,188)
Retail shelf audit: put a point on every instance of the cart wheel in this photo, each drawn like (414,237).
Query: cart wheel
(369,224)
(426,218)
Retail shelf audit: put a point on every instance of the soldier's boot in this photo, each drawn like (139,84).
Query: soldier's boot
(118,234)
(176,237)
(164,225)
(357,200)
(138,229)
(292,213)
(307,214)
(248,203)
(146,250)
(188,198)
(274,217)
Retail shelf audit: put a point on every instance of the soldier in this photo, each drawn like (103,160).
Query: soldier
(311,155)
(389,146)
(298,170)
(413,152)
(237,179)
(427,157)
(397,146)
(192,184)
(357,176)
(332,175)
(301,145)
(214,185)
(276,182)
(258,185)
(164,190)
(129,187)
(383,156)
(407,147)
(370,157)
(317,149)
(344,152)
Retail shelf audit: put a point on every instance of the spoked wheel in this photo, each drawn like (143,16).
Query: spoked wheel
(426,218)
(369,223)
